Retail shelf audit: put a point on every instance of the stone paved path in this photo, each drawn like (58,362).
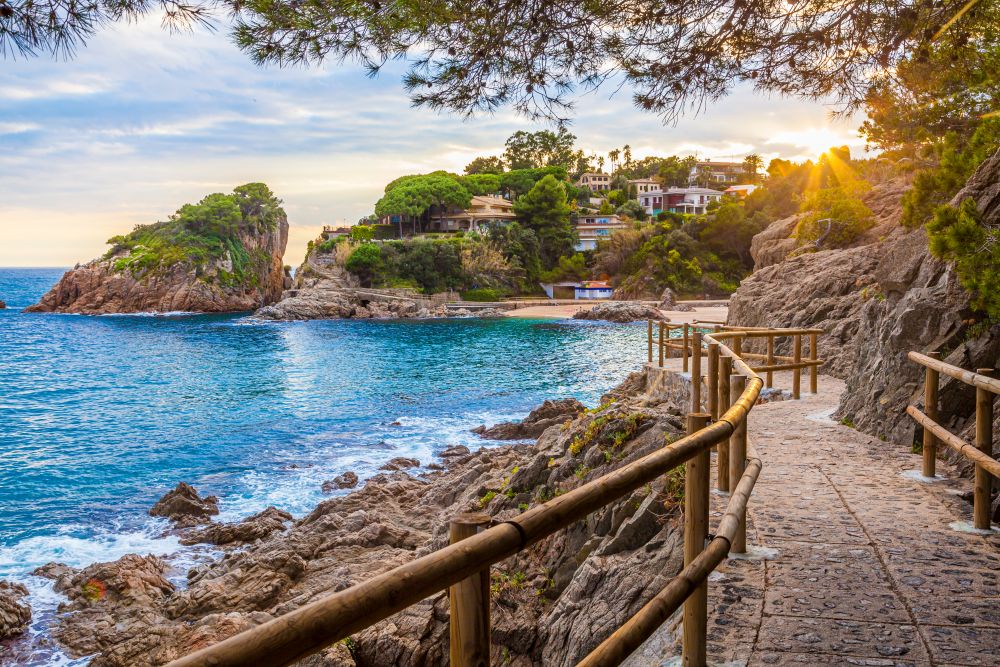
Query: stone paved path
(865,570)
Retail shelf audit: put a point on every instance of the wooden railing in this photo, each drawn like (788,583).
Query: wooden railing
(463,566)
(683,342)
(981,452)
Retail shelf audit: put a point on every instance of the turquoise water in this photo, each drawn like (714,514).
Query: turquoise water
(99,416)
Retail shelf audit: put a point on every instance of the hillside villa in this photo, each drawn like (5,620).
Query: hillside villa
(679,200)
(593,228)
(644,185)
(595,182)
(483,211)
(717,172)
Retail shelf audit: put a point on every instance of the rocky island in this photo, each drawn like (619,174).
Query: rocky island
(223,254)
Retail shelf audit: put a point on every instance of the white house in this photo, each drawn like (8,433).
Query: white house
(643,185)
(679,200)
(593,228)
(740,191)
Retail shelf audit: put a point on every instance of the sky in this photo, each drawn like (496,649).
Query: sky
(142,121)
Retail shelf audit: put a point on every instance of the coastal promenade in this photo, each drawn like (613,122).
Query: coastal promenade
(853,559)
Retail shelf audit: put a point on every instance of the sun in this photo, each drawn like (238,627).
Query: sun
(814,141)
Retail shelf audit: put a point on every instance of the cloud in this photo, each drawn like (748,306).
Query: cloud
(143,121)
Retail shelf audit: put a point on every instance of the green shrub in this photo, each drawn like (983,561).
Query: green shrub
(958,235)
(365,262)
(482,295)
(834,217)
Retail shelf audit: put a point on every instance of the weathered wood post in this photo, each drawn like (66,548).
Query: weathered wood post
(470,602)
(712,373)
(931,410)
(984,443)
(660,344)
(797,372)
(770,361)
(649,340)
(738,460)
(696,372)
(722,463)
(696,482)
(687,334)
(814,369)
(738,346)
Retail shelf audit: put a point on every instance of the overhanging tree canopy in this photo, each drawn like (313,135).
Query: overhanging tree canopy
(477,55)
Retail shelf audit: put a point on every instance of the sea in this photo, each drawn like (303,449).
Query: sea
(101,415)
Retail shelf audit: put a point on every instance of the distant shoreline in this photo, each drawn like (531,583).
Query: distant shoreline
(560,312)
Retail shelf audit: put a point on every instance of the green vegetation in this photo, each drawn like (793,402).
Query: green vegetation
(482,295)
(486,498)
(957,234)
(834,216)
(544,211)
(197,234)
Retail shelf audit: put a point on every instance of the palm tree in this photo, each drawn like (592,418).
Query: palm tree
(613,155)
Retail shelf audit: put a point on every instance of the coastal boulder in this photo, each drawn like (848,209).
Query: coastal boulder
(347,480)
(250,529)
(3,304)
(15,614)
(185,507)
(400,463)
(549,413)
(668,301)
(620,312)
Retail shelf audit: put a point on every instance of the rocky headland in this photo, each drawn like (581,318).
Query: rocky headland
(223,254)
(569,591)
(878,299)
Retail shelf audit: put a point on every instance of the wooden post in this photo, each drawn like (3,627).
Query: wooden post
(722,463)
(738,460)
(984,443)
(797,372)
(770,361)
(649,340)
(660,345)
(713,380)
(696,372)
(686,349)
(931,410)
(696,481)
(738,346)
(470,603)
(814,369)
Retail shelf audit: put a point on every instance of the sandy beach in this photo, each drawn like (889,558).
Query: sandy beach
(717,313)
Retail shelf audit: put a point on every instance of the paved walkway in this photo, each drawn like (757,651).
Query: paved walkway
(866,568)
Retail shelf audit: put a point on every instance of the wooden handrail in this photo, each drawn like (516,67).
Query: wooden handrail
(980,453)
(968,377)
(966,449)
(309,629)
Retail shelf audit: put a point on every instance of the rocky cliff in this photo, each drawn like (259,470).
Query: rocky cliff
(877,300)
(221,255)
(553,602)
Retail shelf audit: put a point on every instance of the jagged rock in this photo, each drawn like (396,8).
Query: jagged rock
(457,450)
(258,526)
(538,420)
(347,480)
(400,463)
(668,301)
(620,312)
(583,581)
(97,287)
(15,615)
(185,507)
(3,304)
(877,301)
